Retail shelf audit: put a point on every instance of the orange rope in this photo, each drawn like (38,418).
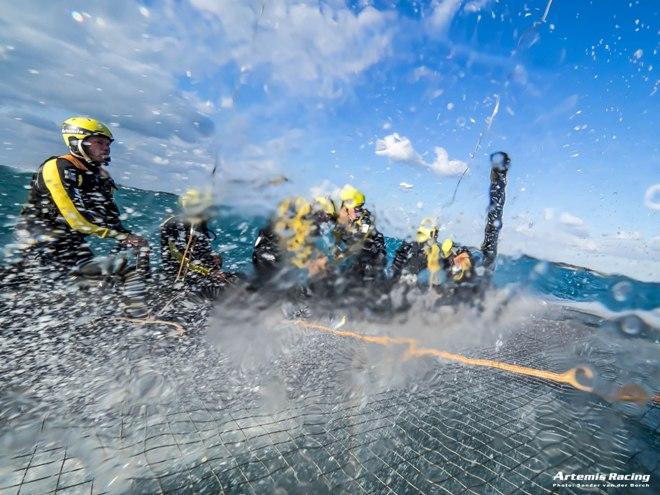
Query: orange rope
(628,393)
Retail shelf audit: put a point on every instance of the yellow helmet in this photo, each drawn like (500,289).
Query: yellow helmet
(447,246)
(323,204)
(351,197)
(196,200)
(427,230)
(79,128)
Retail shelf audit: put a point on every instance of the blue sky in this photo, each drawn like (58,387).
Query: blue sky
(391,96)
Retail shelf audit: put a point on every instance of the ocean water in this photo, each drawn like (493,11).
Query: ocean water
(236,232)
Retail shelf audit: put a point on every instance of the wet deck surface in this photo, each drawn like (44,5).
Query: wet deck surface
(115,408)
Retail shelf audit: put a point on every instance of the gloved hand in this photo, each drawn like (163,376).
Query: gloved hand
(222,278)
(133,241)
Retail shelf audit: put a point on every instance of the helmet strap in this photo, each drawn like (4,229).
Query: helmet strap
(78,150)
(82,153)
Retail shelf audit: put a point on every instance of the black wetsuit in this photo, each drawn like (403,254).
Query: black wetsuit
(410,258)
(266,254)
(68,200)
(179,237)
(363,251)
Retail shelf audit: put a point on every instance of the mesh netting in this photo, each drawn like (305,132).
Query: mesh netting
(324,414)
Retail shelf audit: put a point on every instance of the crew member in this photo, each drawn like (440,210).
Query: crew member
(187,254)
(360,249)
(71,198)
(460,265)
(424,255)
(293,240)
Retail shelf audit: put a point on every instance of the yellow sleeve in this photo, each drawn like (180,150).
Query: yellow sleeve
(62,199)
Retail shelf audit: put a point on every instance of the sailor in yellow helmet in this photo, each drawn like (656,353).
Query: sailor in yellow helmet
(425,254)
(71,198)
(441,261)
(187,253)
(290,240)
(352,201)
(360,248)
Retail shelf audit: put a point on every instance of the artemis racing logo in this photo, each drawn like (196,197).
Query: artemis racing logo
(75,130)
(610,479)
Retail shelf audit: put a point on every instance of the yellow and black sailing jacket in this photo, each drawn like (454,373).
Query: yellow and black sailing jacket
(70,198)
(186,247)
(413,257)
(360,249)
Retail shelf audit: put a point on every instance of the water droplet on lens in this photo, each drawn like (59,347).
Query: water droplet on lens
(149,385)
(632,393)
(631,325)
(541,268)
(621,291)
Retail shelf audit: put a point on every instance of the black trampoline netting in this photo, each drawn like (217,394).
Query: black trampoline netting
(265,406)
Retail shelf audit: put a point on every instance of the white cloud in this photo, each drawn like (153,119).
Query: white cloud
(575,226)
(564,237)
(444,166)
(112,66)
(254,176)
(398,149)
(205,107)
(550,242)
(302,42)
(652,197)
(654,243)
(475,5)
(548,213)
(325,188)
(629,236)
(256,163)
(441,16)
(583,244)
(122,64)
(571,220)
(423,72)
(160,160)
